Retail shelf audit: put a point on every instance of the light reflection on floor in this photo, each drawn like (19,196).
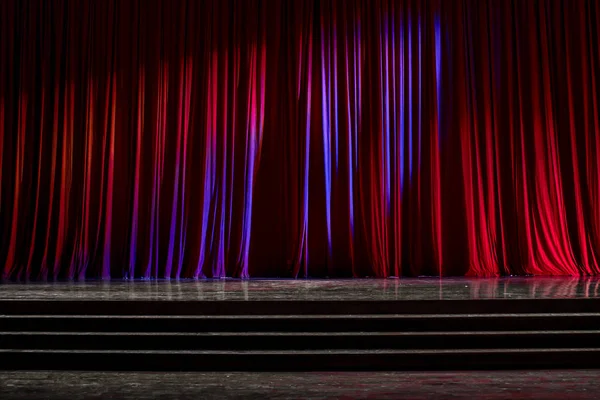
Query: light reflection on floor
(351,289)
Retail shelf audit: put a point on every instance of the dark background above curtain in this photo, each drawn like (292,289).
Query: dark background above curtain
(147,138)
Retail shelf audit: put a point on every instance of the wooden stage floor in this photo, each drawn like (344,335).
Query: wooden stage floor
(313,289)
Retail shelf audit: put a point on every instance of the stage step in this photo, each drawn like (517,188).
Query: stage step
(299,307)
(258,341)
(302,323)
(299,335)
(307,360)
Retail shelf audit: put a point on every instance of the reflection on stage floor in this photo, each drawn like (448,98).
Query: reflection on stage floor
(309,289)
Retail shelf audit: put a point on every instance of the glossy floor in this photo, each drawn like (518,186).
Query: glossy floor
(350,289)
(576,384)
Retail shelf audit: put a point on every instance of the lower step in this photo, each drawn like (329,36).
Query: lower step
(288,341)
(298,360)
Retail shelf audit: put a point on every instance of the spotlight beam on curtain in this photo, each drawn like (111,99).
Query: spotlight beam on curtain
(183,138)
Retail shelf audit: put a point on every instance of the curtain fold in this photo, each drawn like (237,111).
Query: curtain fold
(317,138)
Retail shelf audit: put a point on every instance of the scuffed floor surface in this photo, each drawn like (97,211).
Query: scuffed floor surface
(575,384)
(289,289)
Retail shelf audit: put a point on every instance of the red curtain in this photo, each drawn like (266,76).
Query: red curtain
(151,138)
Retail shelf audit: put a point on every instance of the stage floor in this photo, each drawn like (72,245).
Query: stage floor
(312,289)
(573,384)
